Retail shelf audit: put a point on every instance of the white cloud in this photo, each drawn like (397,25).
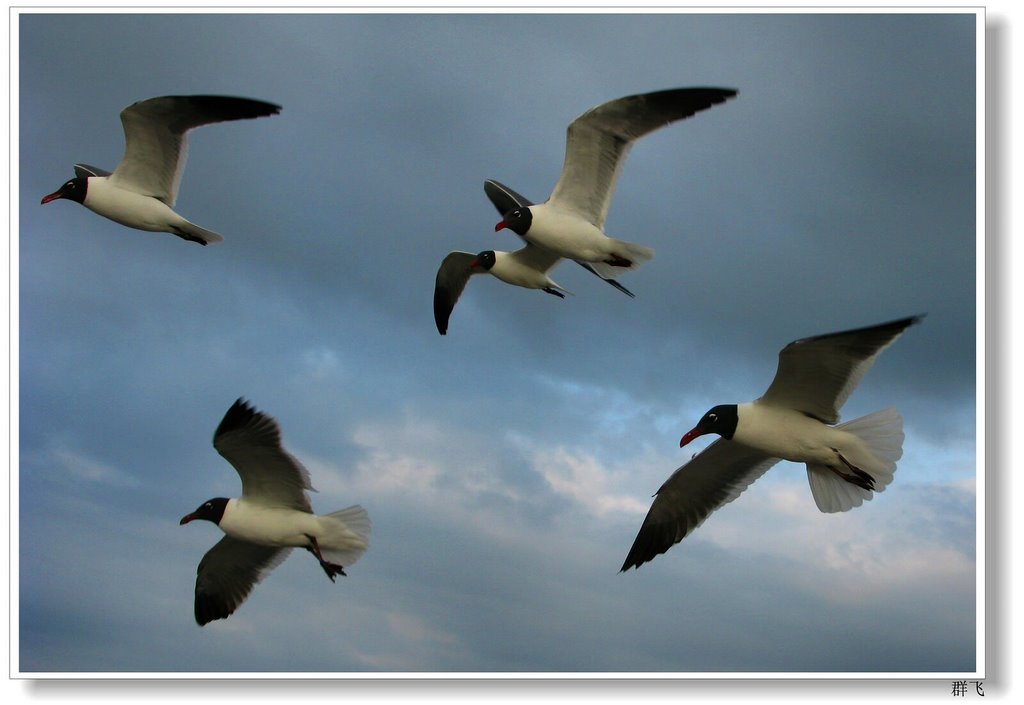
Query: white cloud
(585,480)
(83,467)
(899,541)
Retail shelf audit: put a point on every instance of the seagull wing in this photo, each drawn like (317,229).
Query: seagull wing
(451,279)
(504,198)
(228,573)
(716,476)
(598,141)
(155,141)
(816,375)
(251,441)
(534,257)
(86,170)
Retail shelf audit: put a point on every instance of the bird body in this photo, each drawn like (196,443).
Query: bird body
(792,435)
(521,268)
(288,528)
(563,232)
(140,212)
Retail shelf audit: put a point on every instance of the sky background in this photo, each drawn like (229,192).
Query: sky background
(508,465)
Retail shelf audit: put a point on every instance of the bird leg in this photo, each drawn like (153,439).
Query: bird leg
(856,476)
(331,569)
(617,261)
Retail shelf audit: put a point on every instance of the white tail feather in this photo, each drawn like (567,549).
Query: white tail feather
(637,254)
(881,434)
(345,535)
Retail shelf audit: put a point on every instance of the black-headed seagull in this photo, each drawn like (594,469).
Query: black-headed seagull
(794,420)
(571,222)
(527,267)
(272,516)
(141,191)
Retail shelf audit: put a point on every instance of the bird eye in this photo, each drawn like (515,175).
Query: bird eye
(712,417)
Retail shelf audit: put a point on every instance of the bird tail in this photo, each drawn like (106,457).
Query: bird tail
(194,233)
(344,535)
(636,254)
(881,434)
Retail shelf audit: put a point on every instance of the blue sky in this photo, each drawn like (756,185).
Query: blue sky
(508,465)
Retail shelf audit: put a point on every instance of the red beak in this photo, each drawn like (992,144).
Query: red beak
(186,519)
(51,197)
(690,435)
(500,226)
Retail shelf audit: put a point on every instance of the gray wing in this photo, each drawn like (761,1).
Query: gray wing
(715,477)
(251,442)
(85,170)
(155,142)
(505,199)
(539,258)
(228,573)
(816,375)
(452,276)
(598,141)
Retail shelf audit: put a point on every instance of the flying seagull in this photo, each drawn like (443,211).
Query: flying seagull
(571,222)
(272,516)
(141,191)
(794,420)
(527,267)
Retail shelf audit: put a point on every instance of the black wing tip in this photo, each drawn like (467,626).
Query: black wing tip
(712,94)
(894,327)
(503,198)
(442,312)
(236,107)
(619,286)
(240,413)
(640,554)
(225,107)
(207,610)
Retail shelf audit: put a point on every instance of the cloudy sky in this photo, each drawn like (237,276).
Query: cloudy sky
(506,466)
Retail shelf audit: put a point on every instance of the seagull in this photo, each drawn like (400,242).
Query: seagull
(272,516)
(571,222)
(141,191)
(794,420)
(527,267)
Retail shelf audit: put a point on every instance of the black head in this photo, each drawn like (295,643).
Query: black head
(517,220)
(73,189)
(720,419)
(485,260)
(210,510)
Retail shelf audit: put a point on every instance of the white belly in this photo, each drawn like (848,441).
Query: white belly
(507,269)
(791,435)
(129,208)
(268,526)
(567,234)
